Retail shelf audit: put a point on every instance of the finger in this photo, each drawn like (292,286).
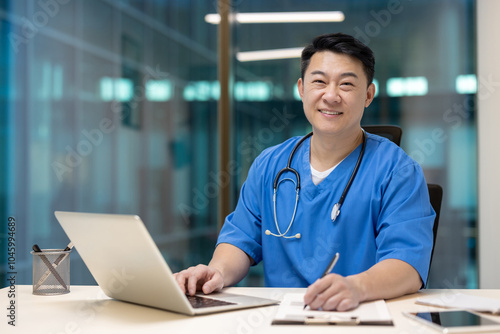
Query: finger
(334,291)
(192,284)
(196,279)
(211,286)
(331,303)
(181,281)
(340,302)
(312,291)
(342,298)
(214,284)
(321,299)
(347,304)
(315,290)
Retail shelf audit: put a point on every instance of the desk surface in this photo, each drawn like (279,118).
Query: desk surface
(87,310)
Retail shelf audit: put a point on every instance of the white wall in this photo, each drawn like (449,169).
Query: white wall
(488,52)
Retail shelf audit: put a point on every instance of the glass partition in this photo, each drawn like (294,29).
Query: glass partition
(108,107)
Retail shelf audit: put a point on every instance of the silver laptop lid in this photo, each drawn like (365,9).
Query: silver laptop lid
(124,260)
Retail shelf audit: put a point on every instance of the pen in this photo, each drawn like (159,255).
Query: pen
(331,265)
(51,267)
(329,268)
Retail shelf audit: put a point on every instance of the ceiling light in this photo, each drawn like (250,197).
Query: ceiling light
(269,54)
(280,17)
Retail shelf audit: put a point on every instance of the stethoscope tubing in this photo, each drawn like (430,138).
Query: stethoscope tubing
(288,168)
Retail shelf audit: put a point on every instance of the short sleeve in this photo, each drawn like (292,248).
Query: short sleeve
(242,228)
(404,228)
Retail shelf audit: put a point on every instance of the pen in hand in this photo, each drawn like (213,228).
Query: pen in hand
(329,268)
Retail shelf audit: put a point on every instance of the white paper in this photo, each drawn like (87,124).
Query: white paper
(462,301)
(292,309)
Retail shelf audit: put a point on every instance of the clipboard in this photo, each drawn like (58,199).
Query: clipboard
(291,312)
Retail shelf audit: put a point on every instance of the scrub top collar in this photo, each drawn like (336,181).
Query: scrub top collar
(344,168)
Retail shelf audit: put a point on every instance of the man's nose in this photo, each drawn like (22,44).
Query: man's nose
(331,94)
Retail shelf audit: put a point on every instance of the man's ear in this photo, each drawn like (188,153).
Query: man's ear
(370,94)
(300,87)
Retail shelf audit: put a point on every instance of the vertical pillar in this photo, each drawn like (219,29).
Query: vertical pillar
(224,107)
(488,119)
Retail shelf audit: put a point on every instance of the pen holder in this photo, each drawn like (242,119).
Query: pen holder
(51,272)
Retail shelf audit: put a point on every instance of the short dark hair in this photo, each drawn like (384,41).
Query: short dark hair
(340,43)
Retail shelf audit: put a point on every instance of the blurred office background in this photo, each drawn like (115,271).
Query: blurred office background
(111,106)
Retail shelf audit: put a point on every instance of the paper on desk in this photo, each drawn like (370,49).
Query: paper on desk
(462,301)
(291,310)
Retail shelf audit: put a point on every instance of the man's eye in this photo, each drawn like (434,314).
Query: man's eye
(318,81)
(347,84)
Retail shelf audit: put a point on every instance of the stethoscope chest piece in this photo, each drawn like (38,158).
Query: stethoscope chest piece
(335,211)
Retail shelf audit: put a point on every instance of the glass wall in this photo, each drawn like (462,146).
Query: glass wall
(426,83)
(108,106)
(111,106)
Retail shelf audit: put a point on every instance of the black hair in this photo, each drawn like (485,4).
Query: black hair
(340,43)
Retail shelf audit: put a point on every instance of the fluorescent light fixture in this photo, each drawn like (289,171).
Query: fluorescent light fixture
(159,90)
(269,54)
(280,17)
(410,86)
(466,84)
(119,89)
(253,91)
(123,89)
(106,88)
(202,91)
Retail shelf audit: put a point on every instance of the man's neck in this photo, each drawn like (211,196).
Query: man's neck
(328,151)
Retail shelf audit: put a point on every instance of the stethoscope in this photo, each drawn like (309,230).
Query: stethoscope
(277,181)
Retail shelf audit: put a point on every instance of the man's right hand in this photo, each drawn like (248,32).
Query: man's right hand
(228,266)
(201,277)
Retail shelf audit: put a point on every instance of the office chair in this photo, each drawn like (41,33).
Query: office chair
(436,197)
(394,133)
(391,132)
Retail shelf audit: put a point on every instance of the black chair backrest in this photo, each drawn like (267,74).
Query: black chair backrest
(436,197)
(391,132)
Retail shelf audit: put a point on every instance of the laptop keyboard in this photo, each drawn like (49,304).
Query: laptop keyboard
(201,302)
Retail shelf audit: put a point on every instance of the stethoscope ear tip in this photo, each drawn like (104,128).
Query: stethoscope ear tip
(298,236)
(268,232)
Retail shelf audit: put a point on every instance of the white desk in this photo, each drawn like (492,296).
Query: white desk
(87,310)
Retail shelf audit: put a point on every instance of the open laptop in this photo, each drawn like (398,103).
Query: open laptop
(128,266)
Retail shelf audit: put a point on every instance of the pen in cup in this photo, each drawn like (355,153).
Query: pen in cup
(51,267)
(329,268)
(54,265)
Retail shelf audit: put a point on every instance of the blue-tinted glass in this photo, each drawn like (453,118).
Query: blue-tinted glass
(94,118)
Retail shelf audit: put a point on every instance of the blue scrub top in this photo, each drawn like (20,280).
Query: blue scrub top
(386,214)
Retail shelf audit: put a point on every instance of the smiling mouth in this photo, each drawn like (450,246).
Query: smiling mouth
(326,112)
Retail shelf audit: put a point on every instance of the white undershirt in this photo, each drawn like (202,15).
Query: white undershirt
(318,176)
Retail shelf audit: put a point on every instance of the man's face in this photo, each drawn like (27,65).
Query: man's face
(334,93)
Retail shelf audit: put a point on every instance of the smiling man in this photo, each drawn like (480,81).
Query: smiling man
(342,191)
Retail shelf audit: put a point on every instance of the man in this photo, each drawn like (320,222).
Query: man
(384,230)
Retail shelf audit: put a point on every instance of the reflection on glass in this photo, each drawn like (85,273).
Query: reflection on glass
(94,119)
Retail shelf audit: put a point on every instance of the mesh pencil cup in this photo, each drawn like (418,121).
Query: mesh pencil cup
(51,272)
